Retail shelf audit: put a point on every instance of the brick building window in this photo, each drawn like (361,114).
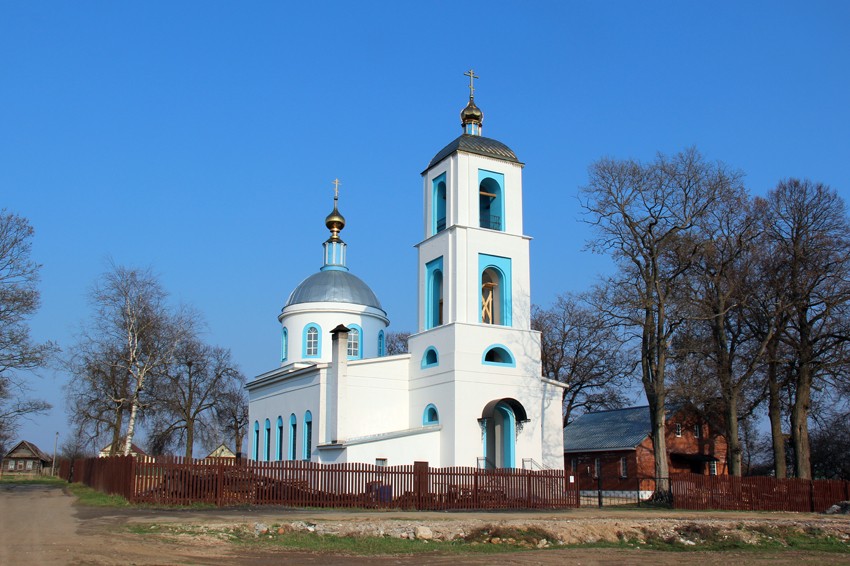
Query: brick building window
(678,430)
(697,430)
(624,467)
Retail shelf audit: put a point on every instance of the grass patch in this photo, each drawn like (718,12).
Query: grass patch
(88,496)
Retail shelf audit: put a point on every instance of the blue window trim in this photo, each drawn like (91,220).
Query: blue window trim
(432,292)
(293,436)
(435,193)
(505,349)
(267,444)
(256,440)
(499,179)
(503,266)
(425,364)
(425,420)
(307,328)
(359,329)
(279,439)
(284,344)
(382,344)
(307,448)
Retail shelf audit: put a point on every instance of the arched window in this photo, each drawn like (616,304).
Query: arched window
(279,439)
(498,355)
(312,341)
(430,358)
(438,204)
(495,283)
(284,344)
(434,293)
(308,435)
(267,445)
(293,436)
(355,350)
(491,206)
(491,293)
(430,416)
(256,440)
(382,344)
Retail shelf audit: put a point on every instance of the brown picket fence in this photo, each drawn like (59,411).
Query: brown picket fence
(223,482)
(692,491)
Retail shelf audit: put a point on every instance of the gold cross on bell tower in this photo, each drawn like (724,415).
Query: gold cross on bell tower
(336,183)
(471,74)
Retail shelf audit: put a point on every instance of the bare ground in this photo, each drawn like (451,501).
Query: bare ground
(42,525)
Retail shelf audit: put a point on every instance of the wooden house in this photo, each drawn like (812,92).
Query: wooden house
(134,450)
(617,447)
(26,458)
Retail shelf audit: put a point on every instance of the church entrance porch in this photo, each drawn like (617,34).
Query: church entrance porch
(501,420)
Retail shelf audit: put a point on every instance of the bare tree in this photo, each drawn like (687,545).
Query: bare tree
(97,396)
(231,412)
(19,299)
(807,223)
(723,284)
(397,342)
(645,216)
(579,348)
(132,322)
(193,384)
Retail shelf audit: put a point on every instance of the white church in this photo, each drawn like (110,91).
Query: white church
(469,392)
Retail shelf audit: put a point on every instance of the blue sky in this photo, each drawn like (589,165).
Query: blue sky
(201,138)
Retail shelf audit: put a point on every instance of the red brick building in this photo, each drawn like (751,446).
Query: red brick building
(617,446)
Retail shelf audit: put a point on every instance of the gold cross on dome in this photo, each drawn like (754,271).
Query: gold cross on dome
(337,183)
(471,74)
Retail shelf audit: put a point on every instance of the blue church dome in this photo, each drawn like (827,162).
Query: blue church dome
(334,286)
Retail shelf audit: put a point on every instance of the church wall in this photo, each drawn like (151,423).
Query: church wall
(399,451)
(328,316)
(377,397)
(282,398)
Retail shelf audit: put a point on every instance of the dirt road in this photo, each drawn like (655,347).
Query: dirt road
(42,525)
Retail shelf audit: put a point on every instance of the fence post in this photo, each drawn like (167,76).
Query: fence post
(812,495)
(218,482)
(131,492)
(599,489)
(420,482)
(528,488)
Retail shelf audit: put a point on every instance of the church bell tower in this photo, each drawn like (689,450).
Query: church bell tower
(474,302)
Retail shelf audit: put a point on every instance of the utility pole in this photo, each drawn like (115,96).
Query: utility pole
(55,442)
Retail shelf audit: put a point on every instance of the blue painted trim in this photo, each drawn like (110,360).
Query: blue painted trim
(307,447)
(503,266)
(307,327)
(497,205)
(333,268)
(425,363)
(433,290)
(256,440)
(293,435)
(359,329)
(508,436)
(505,349)
(436,206)
(284,344)
(279,439)
(428,421)
(382,344)
(267,445)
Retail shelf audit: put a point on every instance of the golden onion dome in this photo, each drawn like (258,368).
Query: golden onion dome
(471,114)
(335,222)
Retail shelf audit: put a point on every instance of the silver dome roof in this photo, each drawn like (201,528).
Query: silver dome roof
(334,286)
